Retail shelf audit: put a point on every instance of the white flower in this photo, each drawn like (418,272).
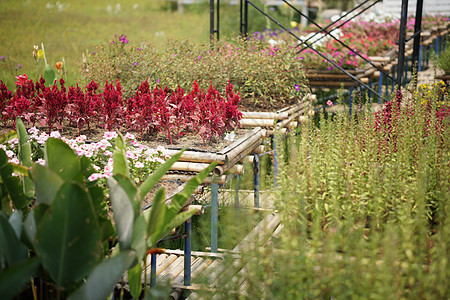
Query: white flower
(95,176)
(139,165)
(129,136)
(55,134)
(9,153)
(80,139)
(110,135)
(41,162)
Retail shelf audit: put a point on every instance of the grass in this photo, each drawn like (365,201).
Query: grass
(80,26)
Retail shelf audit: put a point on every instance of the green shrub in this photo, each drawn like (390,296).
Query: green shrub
(443,60)
(364,210)
(266,77)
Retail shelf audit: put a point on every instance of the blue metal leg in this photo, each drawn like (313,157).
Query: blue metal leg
(419,67)
(256,167)
(380,85)
(275,162)
(187,252)
(236,196)
(436,45)
(214,217)
(153,270)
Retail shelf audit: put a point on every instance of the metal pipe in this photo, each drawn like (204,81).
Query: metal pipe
(256,170)
(380,85)
(214,217)
(275,161)
(211,20)
(236,195)
(153,270)
(187,252)
(320,54)
(218,19)
(401,43)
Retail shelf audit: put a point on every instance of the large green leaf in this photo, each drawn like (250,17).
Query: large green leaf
(24,156)
(10,246)
(49,75)
(101,281)
(135,280)
(68,238)
(153,179)
(123,213)
(157,215)
(47,182)
(179,199)
(16,222)
(62,160)
(13,280)
(132,191)
(119,157)
(139,236)
(11,186)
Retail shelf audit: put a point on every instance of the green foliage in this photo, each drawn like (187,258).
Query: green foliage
(443,61)
(66,229)
(180,63)
(364,213)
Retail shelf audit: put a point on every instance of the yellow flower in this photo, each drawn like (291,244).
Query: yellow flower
(40,54)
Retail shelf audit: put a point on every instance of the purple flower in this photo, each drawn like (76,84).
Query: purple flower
(157,80)
(175,55)
(93,53)
(135,64)
(139,49)
(297,87)
(200,57)
(2,57)
(123,39)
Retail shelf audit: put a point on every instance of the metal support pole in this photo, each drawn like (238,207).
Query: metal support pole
(211,20)
(245,18)
(380,85)
(214,217)
(218,18)
(236,189)
(153,270)
(275,162)
(419,62)
(187,252)
(436,45)
(401,43)
(350,101)
(256,169)
(417,48)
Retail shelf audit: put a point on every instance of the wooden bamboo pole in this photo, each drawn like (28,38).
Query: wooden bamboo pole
(264,115)
(185,178)
(197,156)
(258,122)
(237,156)
(188,166)
(241,142)
(260,149)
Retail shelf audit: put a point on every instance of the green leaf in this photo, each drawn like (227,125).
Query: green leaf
(100,282)
(62,160)
(176,221)
(10,246)
(119,157)
(153,179)
(139,236)
(16,222)
(11,186)
(179,199)
(49,75)
(13,280)
(131,190)
(157,215)
(68,238)
(123,213)
(24,156)
(47,183)
(135,280)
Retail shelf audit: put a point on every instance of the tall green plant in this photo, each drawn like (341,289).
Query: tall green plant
(66,231)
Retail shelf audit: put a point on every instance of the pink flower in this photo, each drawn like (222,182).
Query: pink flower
(94,176)
(110,135)
(21,79)
(139,165)
(329,103)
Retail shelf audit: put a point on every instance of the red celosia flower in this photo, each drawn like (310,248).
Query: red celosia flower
(21,79)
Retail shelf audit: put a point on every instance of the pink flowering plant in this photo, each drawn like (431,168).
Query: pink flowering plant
(142,159)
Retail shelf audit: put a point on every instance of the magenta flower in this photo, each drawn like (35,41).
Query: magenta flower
(297,87)
(329,103)
(123,39)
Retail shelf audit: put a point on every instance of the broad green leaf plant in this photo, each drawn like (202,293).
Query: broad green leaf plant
(56,229)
